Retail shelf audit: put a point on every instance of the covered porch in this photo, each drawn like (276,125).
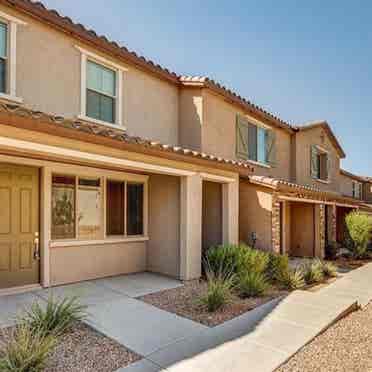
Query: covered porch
(82,202)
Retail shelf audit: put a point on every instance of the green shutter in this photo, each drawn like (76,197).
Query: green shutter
(314,165)
(271,147)
(328,168)
(241,138)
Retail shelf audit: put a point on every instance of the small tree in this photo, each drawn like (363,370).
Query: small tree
(359,227)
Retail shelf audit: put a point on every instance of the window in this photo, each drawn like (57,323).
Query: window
(256,143)
(101,92)
(3,55)
(134,209)
(63,207)
(101,89)
(89,208)
(115,199)
(320,164)
(357,190)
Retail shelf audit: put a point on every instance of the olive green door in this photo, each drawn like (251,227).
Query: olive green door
(19,226)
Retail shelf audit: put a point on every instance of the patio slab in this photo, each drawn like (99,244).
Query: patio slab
(141,327)
(136,285)
(13,305)
(89,293)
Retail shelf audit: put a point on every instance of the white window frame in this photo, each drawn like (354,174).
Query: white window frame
(357,190)
(88,55)
(266,128)
(11,60)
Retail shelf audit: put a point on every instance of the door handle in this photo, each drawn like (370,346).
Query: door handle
(36,247)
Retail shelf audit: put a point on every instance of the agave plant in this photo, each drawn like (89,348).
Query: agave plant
(329,269)
(292,279)
(57,317)
(313,271)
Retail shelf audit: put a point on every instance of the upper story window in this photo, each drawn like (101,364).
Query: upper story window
(357,190)
(3,55)
(101,89)
(101,92)
(319,163)
(255,142)
(8,63)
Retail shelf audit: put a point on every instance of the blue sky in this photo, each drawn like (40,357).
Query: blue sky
(300,60)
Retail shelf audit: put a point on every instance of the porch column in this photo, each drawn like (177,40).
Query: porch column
(333,223)
(319,230)
(191,227)
(275,225)
(230,212)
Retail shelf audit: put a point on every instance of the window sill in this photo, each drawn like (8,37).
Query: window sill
(101,122)
(258,163)
(108,240)
(322,181)
(11,98)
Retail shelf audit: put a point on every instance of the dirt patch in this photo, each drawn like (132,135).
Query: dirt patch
(346,346)
(184,301)
(84,349)
(347,263)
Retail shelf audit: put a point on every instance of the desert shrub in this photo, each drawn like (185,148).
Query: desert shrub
(292,278)
(313,271)
(278,266)
(219,291)
(223,259)
(252,284)
(359,226)
(27,350)
(57,317)
(252,260)
(332,250)
(329,269)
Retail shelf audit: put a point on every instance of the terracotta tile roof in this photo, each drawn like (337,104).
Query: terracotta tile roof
(354,176)
(119,135)
(283,185)
(65,24)
(323,124)
(204,81)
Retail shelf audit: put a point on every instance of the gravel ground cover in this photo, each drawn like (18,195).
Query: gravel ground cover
(183,301)
(84,350)
(346,346)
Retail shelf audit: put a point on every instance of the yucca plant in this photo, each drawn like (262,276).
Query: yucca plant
(292,278)
(218,291)
(26,350)
(252,260)
(57,317)
(313,271)
(329,269)
(252,284)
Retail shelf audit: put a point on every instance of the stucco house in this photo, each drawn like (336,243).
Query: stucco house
(111,164)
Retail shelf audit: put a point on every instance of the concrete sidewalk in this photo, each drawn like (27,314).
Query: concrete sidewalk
(266,337)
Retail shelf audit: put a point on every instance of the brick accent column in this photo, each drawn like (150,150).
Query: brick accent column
(275,225)
(333,222)
(322,228)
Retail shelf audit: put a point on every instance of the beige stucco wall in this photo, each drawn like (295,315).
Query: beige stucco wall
(163,254)
(48,79)
(367,192)
(190,118)
(346,185)
(219,135)
(304,141)
(255,206)
(76,263)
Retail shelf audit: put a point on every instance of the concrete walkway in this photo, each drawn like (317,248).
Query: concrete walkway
(259,340)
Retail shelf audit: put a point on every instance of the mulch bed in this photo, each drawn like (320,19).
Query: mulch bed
(348,263)
(183,301)
(84,349)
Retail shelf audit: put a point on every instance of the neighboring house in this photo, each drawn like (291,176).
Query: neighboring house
(110,164)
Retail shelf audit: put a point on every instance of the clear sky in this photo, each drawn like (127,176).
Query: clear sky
(300,60)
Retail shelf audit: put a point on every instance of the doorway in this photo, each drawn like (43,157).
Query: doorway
(19,226)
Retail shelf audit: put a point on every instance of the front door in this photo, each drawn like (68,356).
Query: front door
(19,226)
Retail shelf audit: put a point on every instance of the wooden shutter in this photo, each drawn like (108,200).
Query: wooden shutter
(252,142)
(271,147)
(314,165)
(241,137)
(328,168)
